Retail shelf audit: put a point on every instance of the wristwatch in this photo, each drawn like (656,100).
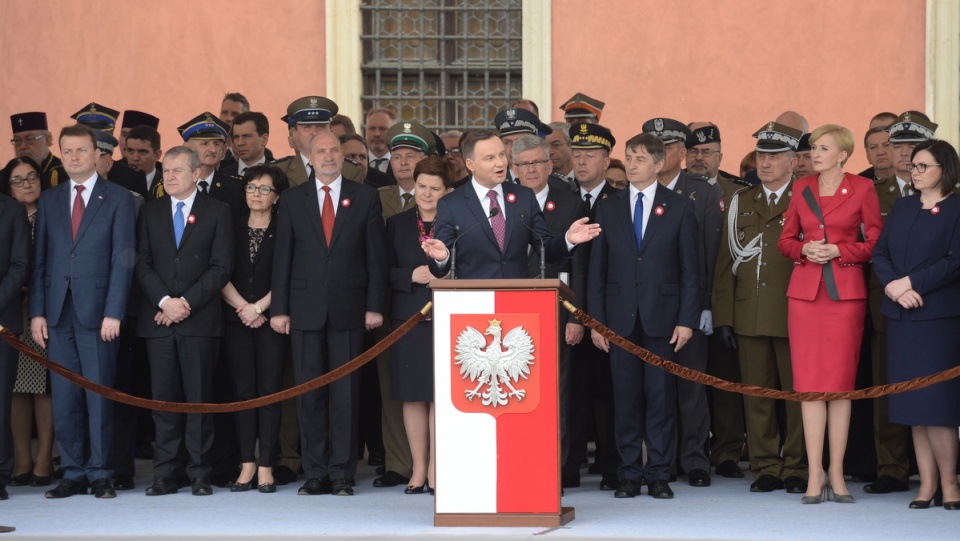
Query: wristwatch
(257,307)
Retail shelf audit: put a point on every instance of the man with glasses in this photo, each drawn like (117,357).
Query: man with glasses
(31,137)
(451,140)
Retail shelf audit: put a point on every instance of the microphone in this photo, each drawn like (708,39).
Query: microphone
(543,250)
(453,247)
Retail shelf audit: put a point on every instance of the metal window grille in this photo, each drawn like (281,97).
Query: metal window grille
(448,64)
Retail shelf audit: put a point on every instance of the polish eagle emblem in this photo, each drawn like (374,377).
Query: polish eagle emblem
(501,363)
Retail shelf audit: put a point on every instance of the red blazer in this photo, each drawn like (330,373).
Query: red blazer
(855,204)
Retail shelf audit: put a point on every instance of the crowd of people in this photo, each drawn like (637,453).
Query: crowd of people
(212,272)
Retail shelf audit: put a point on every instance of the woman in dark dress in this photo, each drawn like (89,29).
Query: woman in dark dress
(253,349)
(411,376)
(917,259)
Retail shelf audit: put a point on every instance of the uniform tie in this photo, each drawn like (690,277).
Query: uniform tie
(378,164)
(498,223)
(326,215)
(203,186)
(78,208)
(586,203)
(638,219)
(906,190)
(407,198)
(773,200)
(178,223)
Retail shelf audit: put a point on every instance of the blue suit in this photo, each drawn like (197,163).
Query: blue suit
(643,296)
(75,285)
(478,255)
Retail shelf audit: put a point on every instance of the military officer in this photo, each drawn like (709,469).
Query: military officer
(581,108)
(103,119)
(132,119)
(514,124)
(31,137)
(750,309)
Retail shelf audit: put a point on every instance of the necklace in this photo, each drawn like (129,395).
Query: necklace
(422,228)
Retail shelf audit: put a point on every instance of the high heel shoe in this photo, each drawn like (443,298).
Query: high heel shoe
(935,501)
(825,494)
(431,491)
(243,487)
(952,506)
(267,488)
(21,480)
(415,490)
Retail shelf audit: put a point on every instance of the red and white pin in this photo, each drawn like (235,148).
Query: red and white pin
(191,219)
(511,198)
(722,208)
(844,191)
(935,210)
(345,203)
(550,205)
(658,211)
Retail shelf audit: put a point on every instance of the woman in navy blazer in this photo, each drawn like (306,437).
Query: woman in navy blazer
(829,232)
(917,259)
(254,350)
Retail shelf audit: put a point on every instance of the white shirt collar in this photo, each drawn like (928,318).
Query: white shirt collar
(673,183)
(482,192)
(242,166)
(187,203)
(779,192)
(594,193)
(542,196)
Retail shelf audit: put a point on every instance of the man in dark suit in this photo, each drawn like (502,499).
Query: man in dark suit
(184,258)
(643,283)
(83,269)
(507,217)
(14,262)
(329,285)
(143,153)
(249,135)
(132,119)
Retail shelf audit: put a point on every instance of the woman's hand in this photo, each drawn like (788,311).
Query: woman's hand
(911,299)
(817,251)
(897,288)
(421,275)
(248,314)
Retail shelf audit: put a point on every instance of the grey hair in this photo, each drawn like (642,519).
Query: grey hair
(192,157)
(529,142)
(562,127)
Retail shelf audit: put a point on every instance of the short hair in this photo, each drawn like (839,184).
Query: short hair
(7,172)
(79,130)
(389,111)
(279,178)
(885,115)
(343,120)
(843,136)
(651,144)
(437,166)
(616,164)
(353,137)
(562,127)
(873,130)
(313,137)
(193,159)
(748,163)
(472,137)
(145,133)
(944,153)
(259,120)
(529,142)
(237,97)
(452,133)
(524,101)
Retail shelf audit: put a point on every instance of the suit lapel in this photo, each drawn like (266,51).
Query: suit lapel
(842,195)
(654,222)
(622,214)
(63,201)
(166,220)
(199,205)
(761,205)
(509,216)
(311,202)
(343,210)
(96,201)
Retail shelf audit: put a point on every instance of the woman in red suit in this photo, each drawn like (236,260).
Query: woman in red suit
(830,229)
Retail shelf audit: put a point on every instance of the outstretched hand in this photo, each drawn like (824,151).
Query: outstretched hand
(580,231)
(435,249)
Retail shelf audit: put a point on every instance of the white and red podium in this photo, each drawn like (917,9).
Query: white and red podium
(496,400)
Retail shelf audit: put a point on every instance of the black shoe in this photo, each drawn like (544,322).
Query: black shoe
(242,487)
(67,488)
(314,487)
(951,506)
(609,482)
(795,485)
(729,469)
(101,488)
(885,485)
(415,490)
(283,475)
(267,488)
(569,481)
(627,489)
(40,480)
(340,487)
(162,486)
(223,479)
(3,493)
(698,478)
(123,482)
(660,490)
(201,487)
(21,480)
(390,479)
(766,483)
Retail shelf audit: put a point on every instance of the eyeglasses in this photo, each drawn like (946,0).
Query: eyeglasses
(356,158)
(31,178)
(921,167)
(705,152)
(30,139)
(264,190)
(524,165)
(453,150)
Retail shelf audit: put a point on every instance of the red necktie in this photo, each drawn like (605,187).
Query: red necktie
(498,223)
(326,215)
(78,208)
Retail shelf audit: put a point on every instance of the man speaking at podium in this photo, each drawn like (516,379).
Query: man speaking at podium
(485,228)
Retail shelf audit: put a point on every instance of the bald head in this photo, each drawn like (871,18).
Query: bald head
(794,120)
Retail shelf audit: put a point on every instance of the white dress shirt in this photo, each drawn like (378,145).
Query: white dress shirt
(648,194)
(88,186)
(334,193)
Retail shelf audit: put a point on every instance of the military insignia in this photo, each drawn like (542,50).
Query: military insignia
(511,114)
(741,235)
(658,124)
(550,205)
(658,211)
(407,127)
(935,210)
(584,130)
(782,220)
(679,192)
(511,198)
(790,193)
(191,219)
(496,365)
(604,196)
(701,137)
(345,203)
(891,189)
(844,191)
(208,116)
(693,196)
(906,116)
(721,206)
(93,108)
(218,185)
(314,102)
(770,126)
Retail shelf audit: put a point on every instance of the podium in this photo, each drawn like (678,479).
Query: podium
(496,402)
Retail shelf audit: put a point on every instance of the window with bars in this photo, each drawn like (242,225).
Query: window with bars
(448,64)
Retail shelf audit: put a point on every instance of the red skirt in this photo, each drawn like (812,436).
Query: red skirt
(825,338)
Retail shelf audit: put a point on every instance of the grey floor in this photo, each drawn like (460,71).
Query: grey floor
(727,510)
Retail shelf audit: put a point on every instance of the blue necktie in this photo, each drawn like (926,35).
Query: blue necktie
(178,223)
(638,219)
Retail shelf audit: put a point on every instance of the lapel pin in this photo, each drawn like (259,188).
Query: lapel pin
(891,189)
(100,197)
(790,193)
(191,219)
(345,203)
(721,206)
(844,191)
(511,198)
(550,205)
(935,210)
(658,211)
(679,192)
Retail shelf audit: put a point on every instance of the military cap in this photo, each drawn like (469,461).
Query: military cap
(97,116)
(587,136)
(106,142)
(804,144)
(410,135)
(703,135)
(911,128)
(28,121)
(310,110)
(439,148)
(667,130)
(133,118)
(773,137)
(582,106)
(511,121)
(204,126)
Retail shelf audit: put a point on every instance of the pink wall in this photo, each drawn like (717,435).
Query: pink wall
(740,63)
(173,58)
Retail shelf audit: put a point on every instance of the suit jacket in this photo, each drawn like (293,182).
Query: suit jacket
(391,202)
(658,284)
(404,254)
(252,279)
(888,191)
(315,284)
(607,191)
(229,190)
(478,255)
(707,202)
(133,179)
(562,209)
(854,203)
(14,261)
(98,266)
(196,271)
(925,247)
(754,301)
(378,178)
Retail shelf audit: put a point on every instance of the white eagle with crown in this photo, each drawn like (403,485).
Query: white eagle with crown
(498,364)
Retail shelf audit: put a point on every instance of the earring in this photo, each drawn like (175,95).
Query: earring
(839,164)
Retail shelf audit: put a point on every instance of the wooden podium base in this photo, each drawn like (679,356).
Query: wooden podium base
(508,520)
